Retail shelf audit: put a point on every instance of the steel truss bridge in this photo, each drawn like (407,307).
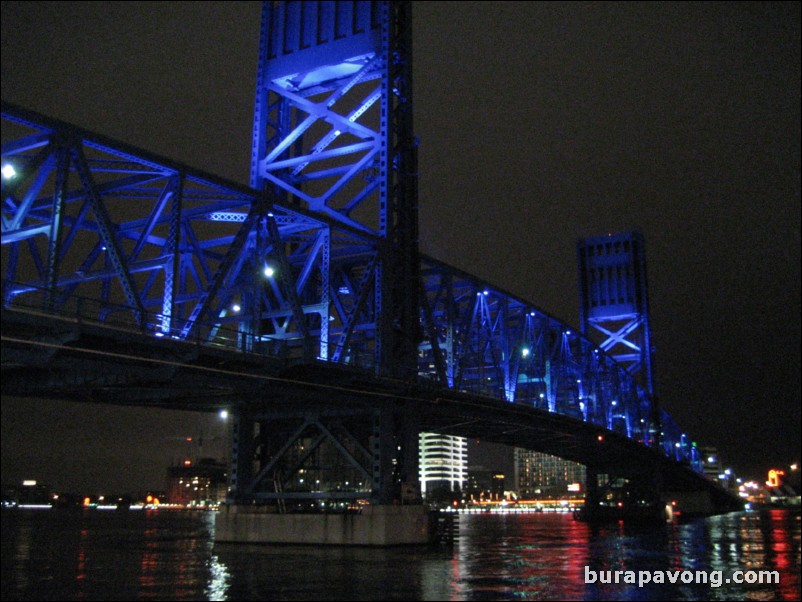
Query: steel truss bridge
(300,303)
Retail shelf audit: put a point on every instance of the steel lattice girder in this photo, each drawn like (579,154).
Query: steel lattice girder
(186,244)
(482,340)
(164,248)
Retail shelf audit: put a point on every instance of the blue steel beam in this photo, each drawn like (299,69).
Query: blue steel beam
(614,302)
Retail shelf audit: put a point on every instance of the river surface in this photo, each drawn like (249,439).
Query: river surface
(171,555)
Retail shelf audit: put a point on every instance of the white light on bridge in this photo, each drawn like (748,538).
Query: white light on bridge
(223,414)
(269,271)
(9,171)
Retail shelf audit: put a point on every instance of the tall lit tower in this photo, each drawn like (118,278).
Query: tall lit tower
(332,136)
(614,310)
(614,306)
(333,133)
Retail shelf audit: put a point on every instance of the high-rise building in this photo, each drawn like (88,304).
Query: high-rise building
(443,463)
(542,475)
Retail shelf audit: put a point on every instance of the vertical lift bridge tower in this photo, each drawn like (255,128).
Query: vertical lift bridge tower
(614,305)
(332,134)
(614,312)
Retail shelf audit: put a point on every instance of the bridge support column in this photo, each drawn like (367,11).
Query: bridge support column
(325,475)
(592,495)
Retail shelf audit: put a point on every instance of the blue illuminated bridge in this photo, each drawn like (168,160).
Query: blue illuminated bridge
(301,303)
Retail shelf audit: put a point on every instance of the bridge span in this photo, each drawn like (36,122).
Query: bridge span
(302,302)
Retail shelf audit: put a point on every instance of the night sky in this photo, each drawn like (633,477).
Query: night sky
(539,123)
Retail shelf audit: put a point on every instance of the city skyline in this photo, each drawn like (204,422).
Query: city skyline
(538,125)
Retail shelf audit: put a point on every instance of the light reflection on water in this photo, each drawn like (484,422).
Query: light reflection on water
(170,555)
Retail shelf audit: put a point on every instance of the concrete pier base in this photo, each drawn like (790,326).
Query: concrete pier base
(374,526)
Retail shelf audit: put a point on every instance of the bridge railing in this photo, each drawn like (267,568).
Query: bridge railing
(86,310)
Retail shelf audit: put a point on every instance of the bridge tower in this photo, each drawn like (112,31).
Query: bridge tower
(332,134)
(614,314)
(614,305)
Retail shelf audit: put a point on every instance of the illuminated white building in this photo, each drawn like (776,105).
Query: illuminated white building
(443,463)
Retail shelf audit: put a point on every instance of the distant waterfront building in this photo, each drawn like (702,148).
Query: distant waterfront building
(443,463)
(197,483)
(484,484)
(28,493)
(541,475)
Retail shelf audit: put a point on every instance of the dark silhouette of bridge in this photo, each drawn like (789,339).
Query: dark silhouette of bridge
(302,304)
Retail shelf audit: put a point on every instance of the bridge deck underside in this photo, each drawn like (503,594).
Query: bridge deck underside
(50,357)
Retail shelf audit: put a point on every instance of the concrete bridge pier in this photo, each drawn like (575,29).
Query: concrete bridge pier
(375,525)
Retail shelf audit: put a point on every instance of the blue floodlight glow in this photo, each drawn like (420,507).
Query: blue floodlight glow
(9,171)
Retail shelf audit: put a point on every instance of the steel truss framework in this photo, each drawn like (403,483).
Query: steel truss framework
(110,233)
(317,262)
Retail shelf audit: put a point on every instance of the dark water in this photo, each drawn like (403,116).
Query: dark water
(170,555)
